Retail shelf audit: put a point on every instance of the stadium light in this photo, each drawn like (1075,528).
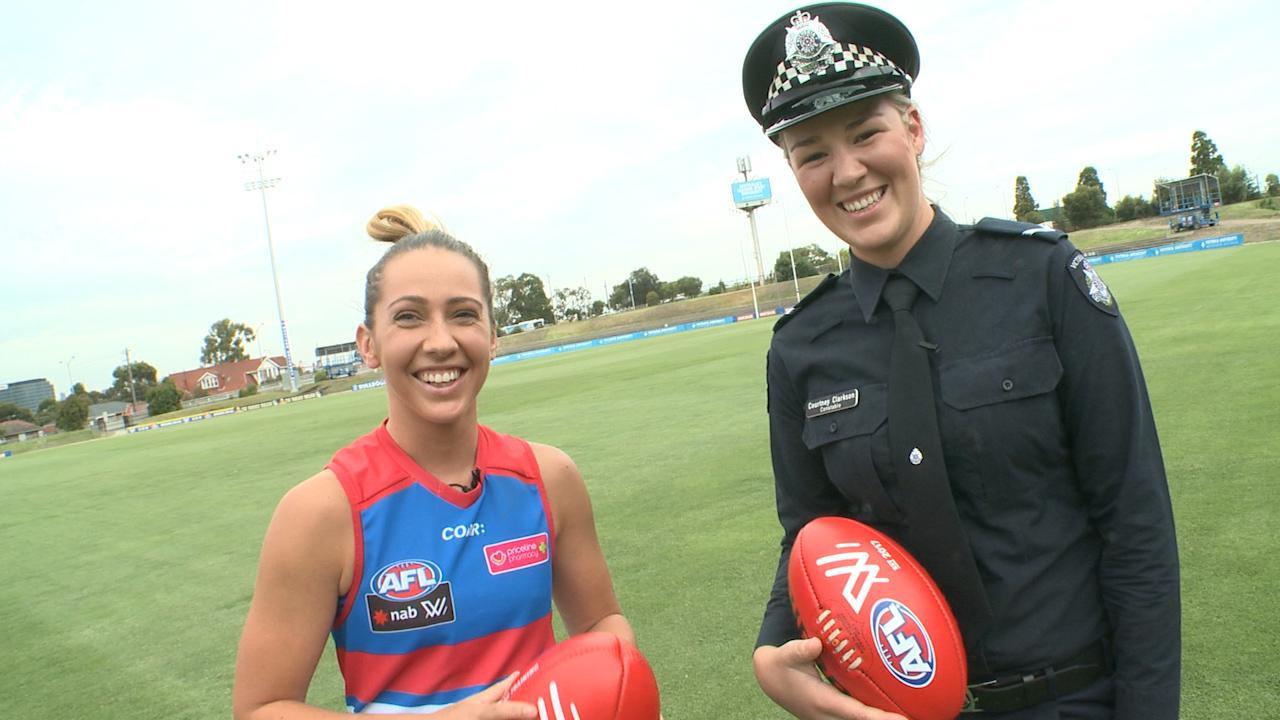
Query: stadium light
(261,185)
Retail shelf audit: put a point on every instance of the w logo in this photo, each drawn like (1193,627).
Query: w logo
(556,707)
(862,575)
(437,607)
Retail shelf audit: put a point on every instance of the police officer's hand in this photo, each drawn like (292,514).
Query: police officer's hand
(488,705)
(787,675)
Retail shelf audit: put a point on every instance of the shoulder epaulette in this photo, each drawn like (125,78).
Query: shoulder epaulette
(827,283)
(1011,228)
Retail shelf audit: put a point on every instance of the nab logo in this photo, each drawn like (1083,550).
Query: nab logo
(406,580)
(903,643)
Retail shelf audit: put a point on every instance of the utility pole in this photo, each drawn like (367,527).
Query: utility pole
(261,185)
(133,394)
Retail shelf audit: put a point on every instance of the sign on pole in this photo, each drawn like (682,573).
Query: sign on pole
(752,193)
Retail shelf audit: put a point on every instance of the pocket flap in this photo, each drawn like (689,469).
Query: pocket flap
(862,419)
(1027,368)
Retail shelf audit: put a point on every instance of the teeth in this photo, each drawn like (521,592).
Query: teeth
(439,378)
(864,203)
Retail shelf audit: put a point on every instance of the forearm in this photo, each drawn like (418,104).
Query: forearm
(615,624)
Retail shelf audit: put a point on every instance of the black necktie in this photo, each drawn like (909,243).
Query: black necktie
(937,540)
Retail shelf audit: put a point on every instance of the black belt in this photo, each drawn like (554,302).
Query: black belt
(1014,692)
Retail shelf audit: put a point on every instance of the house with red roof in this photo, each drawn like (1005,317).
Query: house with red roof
(19,430)
(229,377)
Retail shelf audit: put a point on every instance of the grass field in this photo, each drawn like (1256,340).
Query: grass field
(129,561)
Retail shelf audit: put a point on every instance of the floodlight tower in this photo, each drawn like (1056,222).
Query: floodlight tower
(261,185)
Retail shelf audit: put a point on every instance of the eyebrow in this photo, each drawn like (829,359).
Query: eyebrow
(856,121)
(419,300)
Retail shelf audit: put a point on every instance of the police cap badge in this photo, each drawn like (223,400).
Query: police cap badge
(823,56)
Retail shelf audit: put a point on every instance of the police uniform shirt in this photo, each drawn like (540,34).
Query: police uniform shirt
(1048,438)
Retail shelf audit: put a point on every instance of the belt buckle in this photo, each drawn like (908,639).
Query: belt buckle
(971,700)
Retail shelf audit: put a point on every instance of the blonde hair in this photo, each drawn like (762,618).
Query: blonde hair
(408,229)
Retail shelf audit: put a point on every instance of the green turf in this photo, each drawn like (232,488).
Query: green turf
(129,561)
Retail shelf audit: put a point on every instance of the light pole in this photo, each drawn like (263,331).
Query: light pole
(261,185)
(70,382)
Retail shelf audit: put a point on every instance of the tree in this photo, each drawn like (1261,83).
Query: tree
(810,260)
(687,286)
(73,412)
(9,411)
(1205,157)
(1025,208)
(1089,178)
(47,412)
(1238,185)
(516,299)
(163,398)
(1273,185)
(597,308)
(717,289)
(144,378)
(571,304)
(637,285)
(651,298)
(1131,208)
(1085,208)
(225,342)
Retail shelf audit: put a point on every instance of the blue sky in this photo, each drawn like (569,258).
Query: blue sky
(576,141)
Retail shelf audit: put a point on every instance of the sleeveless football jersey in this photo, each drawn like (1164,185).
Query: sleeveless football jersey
(451,591)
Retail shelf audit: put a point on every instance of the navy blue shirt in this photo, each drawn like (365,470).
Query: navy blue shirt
(1048,437)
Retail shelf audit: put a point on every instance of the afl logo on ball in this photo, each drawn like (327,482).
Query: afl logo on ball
(406,580)
(902,642)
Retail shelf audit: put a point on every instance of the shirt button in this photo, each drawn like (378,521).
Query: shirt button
(833,426)
(1006,384)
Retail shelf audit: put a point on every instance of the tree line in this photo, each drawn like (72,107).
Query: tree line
(1087,207)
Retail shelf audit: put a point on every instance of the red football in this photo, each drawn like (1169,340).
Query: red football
(888,636)
(592,676)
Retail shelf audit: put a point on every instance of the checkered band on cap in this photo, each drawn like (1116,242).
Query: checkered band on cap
(844,58)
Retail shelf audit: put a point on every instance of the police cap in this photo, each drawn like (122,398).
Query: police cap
(823,56)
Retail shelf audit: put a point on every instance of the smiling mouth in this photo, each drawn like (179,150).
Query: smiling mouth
(864,203)
(439,378)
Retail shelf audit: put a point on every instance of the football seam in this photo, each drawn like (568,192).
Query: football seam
(622,681)
(870,681)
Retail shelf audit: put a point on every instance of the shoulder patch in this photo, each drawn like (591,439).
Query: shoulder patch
(1090,283)
(827,283)
(1010,228)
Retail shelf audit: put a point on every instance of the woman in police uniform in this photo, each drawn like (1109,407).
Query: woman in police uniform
(984,405)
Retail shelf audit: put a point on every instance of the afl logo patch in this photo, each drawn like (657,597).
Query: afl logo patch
(902,643)
(405,580)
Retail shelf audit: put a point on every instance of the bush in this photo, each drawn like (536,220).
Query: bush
(73,413)
(1268,203)
(320,375)
(248,390)
(163,398)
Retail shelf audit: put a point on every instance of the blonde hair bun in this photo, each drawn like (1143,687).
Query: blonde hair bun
(397,221)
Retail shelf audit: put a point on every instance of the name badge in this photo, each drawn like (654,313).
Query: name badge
(846,400)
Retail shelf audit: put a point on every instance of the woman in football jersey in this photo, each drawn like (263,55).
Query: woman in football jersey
(432,547)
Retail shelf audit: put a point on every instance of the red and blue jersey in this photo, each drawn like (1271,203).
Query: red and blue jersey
(451,591)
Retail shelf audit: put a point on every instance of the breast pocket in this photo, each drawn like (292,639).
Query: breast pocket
(1001,418)
(845,439)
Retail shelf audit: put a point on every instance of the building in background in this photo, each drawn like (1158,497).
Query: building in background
(228,378)
(27,393)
